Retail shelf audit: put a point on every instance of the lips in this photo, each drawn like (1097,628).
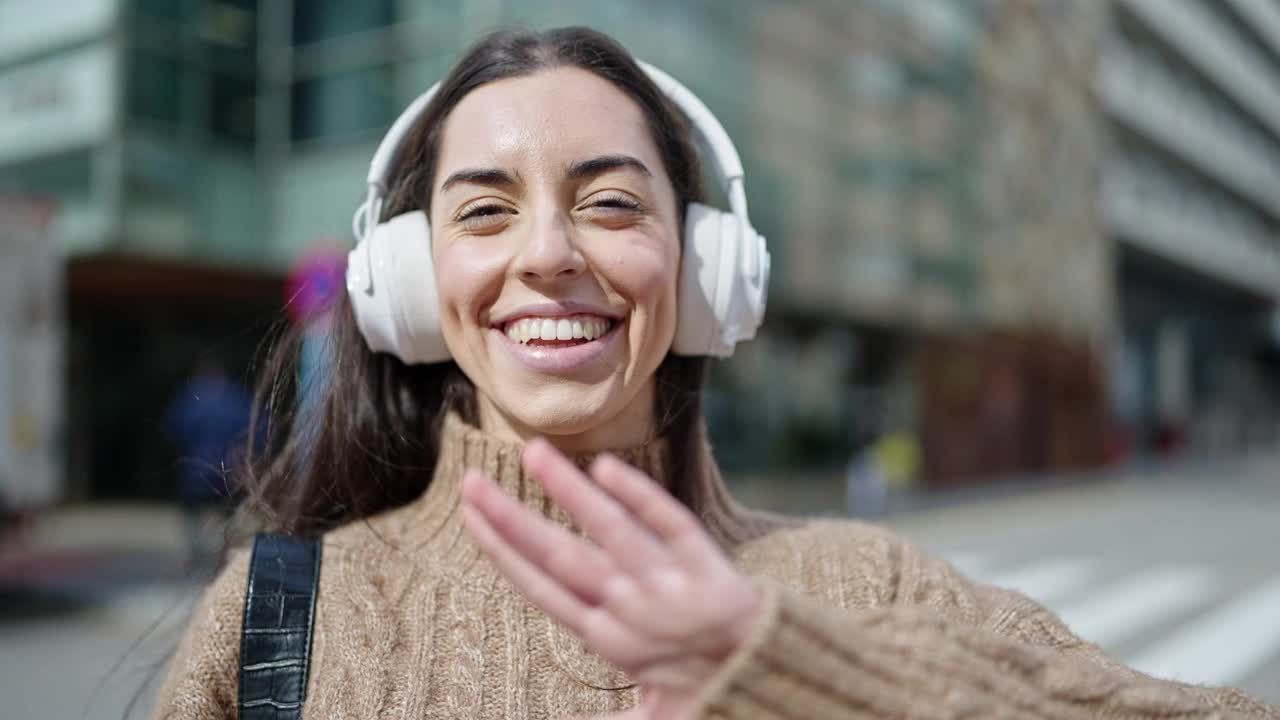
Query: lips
(558,356)
(574,329)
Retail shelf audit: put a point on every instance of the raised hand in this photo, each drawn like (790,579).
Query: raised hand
(655,596)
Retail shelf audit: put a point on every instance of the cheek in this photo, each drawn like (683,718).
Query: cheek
(647,277)
(466,279)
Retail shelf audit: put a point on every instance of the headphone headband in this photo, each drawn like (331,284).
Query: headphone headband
(708,129)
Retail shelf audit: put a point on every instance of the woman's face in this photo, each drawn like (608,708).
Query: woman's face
(555,239)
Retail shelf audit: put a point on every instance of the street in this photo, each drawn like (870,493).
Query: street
(1174,572)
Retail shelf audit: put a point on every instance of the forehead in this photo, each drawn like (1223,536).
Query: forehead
(552,118)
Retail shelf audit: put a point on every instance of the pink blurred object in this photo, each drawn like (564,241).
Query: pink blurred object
(313,283)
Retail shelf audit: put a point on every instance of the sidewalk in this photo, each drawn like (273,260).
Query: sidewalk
(84,555)
(821,493)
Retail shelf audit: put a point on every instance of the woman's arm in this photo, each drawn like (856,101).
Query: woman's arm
(201,681)
(805,660)
(657,598)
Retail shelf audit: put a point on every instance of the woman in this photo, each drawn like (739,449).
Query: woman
(452,498)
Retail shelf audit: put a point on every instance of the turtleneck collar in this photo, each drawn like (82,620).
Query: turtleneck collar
(464,446)
(436,514)
(435,519)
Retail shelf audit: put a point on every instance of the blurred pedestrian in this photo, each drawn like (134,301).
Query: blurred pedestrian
(207,422)
(511,486)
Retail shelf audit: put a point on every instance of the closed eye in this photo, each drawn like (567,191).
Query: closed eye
(617,201)
(482,211)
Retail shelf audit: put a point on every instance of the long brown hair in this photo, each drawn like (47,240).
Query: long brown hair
(372,439)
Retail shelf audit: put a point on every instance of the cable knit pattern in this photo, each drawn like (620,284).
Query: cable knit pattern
(412,622)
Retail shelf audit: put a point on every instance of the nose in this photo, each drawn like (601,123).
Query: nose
(549,253)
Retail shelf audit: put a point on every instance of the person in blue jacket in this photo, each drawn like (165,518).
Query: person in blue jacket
(207,421)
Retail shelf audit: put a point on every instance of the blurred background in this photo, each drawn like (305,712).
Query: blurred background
(1024,302)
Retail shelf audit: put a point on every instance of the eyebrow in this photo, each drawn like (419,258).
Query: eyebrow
(577,171)
(479,176)
(605,163)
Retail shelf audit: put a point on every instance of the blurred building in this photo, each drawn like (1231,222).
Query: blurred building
(1039,234)
(1191,199)
(941,267)
(1005,227)
(135,121)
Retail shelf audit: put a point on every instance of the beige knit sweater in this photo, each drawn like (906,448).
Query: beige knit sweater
(412,622)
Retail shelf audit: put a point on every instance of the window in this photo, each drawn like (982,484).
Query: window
(232,108)
(176,11)
(342,104)
(316,20)
(155,88)
(229,30)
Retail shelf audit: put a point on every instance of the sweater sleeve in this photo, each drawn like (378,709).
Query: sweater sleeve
(202,679)
(1004,656)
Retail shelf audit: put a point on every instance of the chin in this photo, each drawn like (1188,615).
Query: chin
(571,410)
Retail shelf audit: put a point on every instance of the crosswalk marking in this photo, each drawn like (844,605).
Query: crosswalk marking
(1046,581)
(1222,647)
(1217,645)
(1124,609)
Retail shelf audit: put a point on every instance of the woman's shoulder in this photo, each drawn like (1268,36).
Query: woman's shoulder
(386,532)
(223,598)
(201,680)
(851,562)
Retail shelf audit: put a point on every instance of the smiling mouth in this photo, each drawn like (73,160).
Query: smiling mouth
(558,332)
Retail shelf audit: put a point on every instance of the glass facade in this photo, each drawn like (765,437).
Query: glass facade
(190,112)
(320,20)
(341,105)
(192,66)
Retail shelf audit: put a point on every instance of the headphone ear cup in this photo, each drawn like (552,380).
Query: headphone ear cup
(391,282)
(724,273)
(702,271)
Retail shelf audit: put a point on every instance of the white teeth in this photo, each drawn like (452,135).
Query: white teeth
(579,327)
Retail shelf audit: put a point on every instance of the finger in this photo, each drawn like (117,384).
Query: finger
(622,536)
(556,552)
(652,505)
(541,590)
(598,628)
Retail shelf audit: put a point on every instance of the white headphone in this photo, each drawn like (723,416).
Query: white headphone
(724,268)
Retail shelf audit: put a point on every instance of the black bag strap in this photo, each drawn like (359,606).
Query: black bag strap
(275,639)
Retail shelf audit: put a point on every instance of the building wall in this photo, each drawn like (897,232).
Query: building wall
(60,83)
(1044,260)
(1190,91)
